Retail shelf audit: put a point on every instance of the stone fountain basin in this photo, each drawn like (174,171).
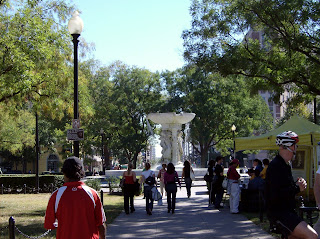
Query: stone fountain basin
(171,118)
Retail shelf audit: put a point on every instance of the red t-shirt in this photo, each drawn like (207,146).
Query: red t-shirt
(233,173)
(77,209)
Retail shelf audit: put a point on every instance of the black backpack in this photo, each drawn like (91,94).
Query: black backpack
(150,180)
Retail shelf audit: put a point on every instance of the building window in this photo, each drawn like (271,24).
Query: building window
(278,111)
(53,163)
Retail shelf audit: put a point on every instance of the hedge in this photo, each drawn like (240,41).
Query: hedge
(30,180)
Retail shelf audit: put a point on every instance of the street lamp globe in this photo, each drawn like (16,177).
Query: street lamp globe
(233,128)
(75,24)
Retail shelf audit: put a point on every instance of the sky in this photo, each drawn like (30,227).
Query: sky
(142,33)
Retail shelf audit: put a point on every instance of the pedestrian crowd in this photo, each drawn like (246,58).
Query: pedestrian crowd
(75,209)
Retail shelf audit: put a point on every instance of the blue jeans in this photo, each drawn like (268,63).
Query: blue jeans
(148,196)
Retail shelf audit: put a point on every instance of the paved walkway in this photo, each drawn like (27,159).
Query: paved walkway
(192,219)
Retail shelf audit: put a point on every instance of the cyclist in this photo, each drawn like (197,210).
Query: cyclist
(281,190)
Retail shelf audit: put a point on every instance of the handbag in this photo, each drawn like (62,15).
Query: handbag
(137,188)
(225,183)
(122,180)
(156,195)
(192,176)
(207,178)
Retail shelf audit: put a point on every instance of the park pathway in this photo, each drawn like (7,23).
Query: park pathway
(192,219)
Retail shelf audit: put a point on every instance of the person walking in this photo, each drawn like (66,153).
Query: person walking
(129,188)
(186,174)
(170,179)
(217,189)
(148,180)
(233,186)
(281,189)
(75,209)
(210,172)
(161,177)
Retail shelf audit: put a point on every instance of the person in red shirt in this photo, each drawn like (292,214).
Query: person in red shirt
(233,186)
(75,209)
(129,188)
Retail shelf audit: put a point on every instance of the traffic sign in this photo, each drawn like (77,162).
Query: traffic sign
(75,134)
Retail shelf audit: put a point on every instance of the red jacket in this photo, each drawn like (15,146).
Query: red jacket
(76,211)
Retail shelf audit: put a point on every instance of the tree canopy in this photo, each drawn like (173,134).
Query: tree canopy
(123,96)
(34,49)
(284,57)
(218,103)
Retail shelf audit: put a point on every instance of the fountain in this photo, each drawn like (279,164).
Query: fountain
(171,134)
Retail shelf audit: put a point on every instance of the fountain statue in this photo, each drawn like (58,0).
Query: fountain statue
(171,134)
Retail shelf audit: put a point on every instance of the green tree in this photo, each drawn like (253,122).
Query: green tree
(37,67)
(218,104)
(123,97)
(35,47)
(16,134)
(285,58)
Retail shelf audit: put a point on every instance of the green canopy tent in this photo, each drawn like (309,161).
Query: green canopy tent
(306,161)
(309,135)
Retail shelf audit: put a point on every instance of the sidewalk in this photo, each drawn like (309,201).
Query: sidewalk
(192,219)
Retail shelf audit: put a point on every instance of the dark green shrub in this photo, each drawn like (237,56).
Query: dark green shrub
(15,181)
(114,184)
(94,183)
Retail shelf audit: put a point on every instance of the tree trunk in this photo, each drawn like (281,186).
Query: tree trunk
(134,160)
(204,158)
(106,157)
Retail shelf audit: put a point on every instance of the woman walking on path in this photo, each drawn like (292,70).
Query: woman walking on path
(161,177)
(233,186)
(129,188)
(186,174)
(148,180)
(170,179)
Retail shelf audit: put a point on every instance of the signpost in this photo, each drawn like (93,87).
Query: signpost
(75,134)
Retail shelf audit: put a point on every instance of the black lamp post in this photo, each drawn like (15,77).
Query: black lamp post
(233,128)
(75,27)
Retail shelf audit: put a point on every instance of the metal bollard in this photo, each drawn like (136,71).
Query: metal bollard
(25,188)
(101,196)
(51,185)
(1,188)
(11,228)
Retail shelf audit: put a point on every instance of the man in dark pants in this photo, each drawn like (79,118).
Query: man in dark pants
(281,190)
(217,185)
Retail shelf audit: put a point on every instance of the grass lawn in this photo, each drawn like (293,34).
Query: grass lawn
(28,210)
